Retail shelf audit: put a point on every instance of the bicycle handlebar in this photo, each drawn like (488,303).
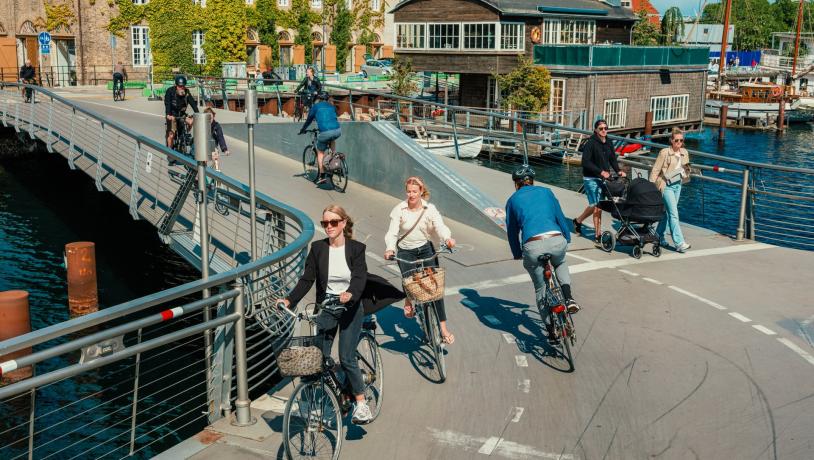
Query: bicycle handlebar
(330,300)
(444,250)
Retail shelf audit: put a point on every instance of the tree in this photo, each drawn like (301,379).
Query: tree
(402,82)
(301,18)
(265,20)
(341,34)
(645,33)
(527,87)
(672,26)
(225,38)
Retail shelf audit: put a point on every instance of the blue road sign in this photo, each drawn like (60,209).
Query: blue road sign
(45,38)
(45,48)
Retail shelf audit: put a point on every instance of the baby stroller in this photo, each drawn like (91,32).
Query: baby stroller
(638,206)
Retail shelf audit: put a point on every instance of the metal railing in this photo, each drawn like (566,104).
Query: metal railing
(134,377)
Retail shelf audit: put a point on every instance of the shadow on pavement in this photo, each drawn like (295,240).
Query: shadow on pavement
(407,339)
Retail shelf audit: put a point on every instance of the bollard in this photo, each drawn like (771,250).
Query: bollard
(80,262)
(781,115)
(722,123)
(251,120)
(16,321)
(648,125)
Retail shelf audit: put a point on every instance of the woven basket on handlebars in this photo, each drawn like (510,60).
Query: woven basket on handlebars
(300,358)
(426,285)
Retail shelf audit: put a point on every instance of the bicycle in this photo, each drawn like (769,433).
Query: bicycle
(28,92)
(333,164)
(427,314)
(302,106)
(182,141)
(118,91)
(312,419)
(562,332)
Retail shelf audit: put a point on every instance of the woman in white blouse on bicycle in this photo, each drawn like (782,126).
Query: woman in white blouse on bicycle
(413,224)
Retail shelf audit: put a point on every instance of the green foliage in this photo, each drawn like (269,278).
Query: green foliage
(527,87)
(755,20)
(171,24)
(264,18)
(401,81)
(645,33)
(672,25)
(366,21)
(129,14)
(57,16)
(301,18)
(225,39)
(341,34)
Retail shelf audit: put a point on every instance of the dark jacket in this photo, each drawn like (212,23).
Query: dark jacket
(173,105)
(27,72)
(217,136)
(316,270)
(270,77)
(379,293)
(598,156)
(310,87)
(325,115)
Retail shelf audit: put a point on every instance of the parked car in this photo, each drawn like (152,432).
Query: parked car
(375,67)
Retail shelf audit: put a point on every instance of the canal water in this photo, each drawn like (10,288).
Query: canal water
(43,206)
(707,204)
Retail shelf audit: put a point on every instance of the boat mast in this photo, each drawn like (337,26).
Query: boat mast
(724,39)
(797,39)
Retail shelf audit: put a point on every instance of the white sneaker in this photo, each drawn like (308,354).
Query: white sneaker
(683,247)
(361,414)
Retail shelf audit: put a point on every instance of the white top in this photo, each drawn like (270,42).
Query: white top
(338,271)
(402,219)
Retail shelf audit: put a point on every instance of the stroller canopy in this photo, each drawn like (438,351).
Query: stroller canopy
(643,203)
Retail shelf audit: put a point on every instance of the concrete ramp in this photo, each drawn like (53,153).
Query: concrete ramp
(381,156)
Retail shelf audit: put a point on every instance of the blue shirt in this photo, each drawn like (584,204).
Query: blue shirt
(530,211)
(325,114)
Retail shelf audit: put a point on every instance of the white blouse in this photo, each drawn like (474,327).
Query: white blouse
(338,271)
(402,219)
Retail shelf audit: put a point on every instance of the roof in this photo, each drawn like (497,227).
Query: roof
(652,13)
(581,8)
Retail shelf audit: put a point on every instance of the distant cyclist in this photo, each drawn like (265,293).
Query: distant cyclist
(119,76)
(27,74)
(176,100)
(535,226)
(329,131)
(309,87)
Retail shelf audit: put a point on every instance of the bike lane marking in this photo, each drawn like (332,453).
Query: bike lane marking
(651,280)
(793,346)
(739,317)
(493,446)
(764,329)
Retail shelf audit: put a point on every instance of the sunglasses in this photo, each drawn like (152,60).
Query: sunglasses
(332,222)
(602,128)
(678,140)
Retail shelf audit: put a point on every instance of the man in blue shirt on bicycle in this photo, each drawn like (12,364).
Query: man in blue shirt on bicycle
(329,131)
(534,213)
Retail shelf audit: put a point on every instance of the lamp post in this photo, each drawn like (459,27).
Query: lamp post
(250,99)
(150,60)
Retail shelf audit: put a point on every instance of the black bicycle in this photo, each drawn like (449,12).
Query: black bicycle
(562,334)
(28,92)
(333,164)
(313,415)
(118,90)
(302,106)
(182,141)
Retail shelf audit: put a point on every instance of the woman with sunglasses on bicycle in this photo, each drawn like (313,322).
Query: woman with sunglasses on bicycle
(413,224)
(671,170)
(337,265)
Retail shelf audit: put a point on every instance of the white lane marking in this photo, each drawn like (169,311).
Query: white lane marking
(492,320)
(122,108)
(651,280)
(509,338)
(516,279)
(698,298)
(764,329)
(628,272)
(793,346)
(524,385)
(582,258)
(518,412)
(489,445)
(503,448)
(739,317)
(808,321)
(521,361)
(385,263)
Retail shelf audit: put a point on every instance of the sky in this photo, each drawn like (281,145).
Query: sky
(688,7)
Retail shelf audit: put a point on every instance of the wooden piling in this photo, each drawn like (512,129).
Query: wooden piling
(83,297)
(781,115)
(722,123)
(16,321)
(648,125)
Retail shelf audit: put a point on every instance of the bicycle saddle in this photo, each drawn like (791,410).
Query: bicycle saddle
(544,258)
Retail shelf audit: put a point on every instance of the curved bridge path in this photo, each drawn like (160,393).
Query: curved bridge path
(708,354)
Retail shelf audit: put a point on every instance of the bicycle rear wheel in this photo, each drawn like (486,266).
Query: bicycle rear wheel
(312,423)
(370,363)
(309,163)
(339,177)
(565,330)
(434,339)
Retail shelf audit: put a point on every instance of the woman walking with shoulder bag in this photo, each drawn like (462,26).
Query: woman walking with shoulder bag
(671,170)
(412,224)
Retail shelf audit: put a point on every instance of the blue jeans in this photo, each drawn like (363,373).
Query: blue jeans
(324,138)
(555,246)
(408,269)
(671,195)
(593,190)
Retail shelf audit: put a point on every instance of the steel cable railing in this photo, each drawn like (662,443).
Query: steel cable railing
(153,381)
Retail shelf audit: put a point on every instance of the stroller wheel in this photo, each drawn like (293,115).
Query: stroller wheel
(608,241)
(637,252)
(656,250)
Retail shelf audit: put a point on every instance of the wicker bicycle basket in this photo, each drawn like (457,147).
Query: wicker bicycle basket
(426,285)
(300,358)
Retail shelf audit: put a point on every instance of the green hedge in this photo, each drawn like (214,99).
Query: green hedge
(129,85)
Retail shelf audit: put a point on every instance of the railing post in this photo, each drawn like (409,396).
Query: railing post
(744,196)
(455,136)
(525,145)
(243,413)
(134,411)
(70,141)
(398,114)
(224,97)
(250,105)
(32,412)
(350,101)
(50,124)
(31,115)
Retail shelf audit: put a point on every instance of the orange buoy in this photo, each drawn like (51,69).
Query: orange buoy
(776,91)
(80,259)
(15,318)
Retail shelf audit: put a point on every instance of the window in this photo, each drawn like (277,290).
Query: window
(138,43)
(316,3)
(375,5)
(626,3)
(616,112)
(568,31)
(198,56)
(202,3)
(512,36)
(282,2)
(444,36)
(410,36)
(556,100)
(250,2)
(479,36)
(140,2)
(669,108)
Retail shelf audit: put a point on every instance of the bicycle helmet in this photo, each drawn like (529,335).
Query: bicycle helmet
(524,173)
(323,95)
(180,80)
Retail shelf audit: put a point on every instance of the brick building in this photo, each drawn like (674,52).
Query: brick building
(583,43)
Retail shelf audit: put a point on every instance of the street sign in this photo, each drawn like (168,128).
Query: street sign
(44,38)
(45,48)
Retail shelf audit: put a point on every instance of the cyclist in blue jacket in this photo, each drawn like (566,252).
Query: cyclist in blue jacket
(329,131)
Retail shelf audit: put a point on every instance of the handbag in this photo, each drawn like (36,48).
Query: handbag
(674,176)
(333,161)
(300,358)
(426,285)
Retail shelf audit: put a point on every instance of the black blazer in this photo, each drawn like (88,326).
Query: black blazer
(316,269)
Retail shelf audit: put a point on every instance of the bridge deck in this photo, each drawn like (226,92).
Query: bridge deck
(706,354)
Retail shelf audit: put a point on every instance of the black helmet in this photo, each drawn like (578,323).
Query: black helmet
(524,173)
(180,80)
(323,95)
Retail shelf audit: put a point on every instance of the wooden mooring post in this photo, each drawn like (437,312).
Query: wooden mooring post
(722,123)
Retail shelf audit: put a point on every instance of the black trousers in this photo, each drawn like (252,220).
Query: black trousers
(349,325)
(408,269)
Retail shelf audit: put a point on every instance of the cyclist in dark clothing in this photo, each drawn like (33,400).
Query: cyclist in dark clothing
(329,130)
(310,87)
(176,100)
(119,76)
(598,158)
(27,74)
(270,77)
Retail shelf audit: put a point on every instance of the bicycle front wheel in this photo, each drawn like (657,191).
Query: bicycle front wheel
(434,339)
(339,177)
(312,423)
(370,363)
(565,337)
(309,163)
